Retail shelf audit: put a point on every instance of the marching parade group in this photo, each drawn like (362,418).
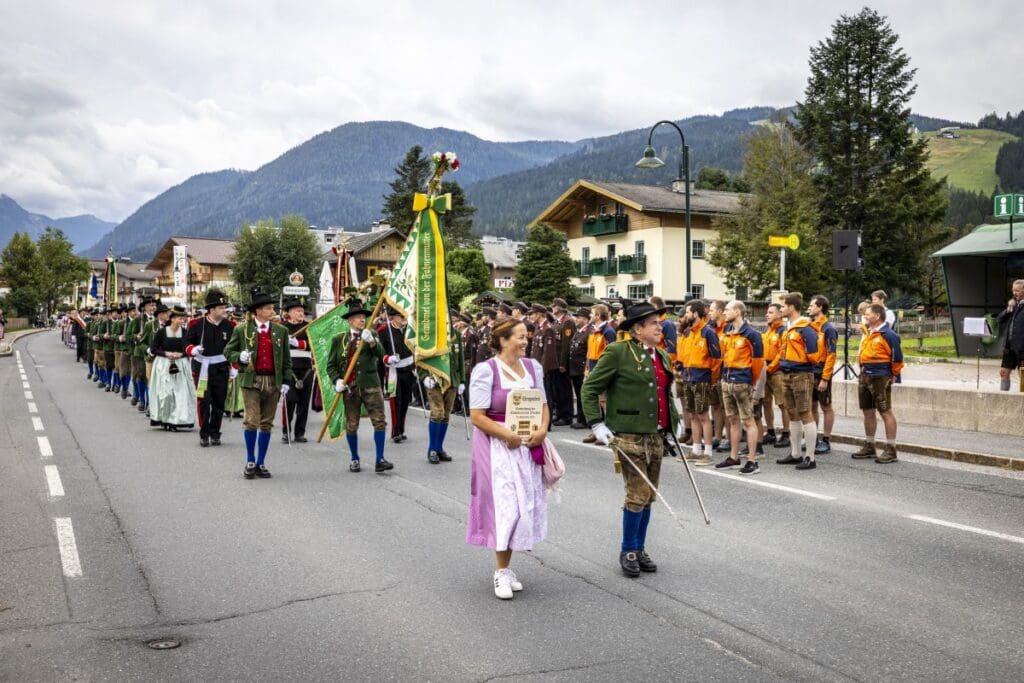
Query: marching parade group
(617,375)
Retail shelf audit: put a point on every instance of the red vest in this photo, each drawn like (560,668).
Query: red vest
(264,352)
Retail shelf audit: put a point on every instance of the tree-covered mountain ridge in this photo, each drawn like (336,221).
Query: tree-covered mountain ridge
(340,177)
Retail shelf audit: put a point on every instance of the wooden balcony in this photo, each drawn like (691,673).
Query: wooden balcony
(608,224)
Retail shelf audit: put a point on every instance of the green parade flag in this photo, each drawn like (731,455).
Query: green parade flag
(320,333)
(110,283)
(418,288)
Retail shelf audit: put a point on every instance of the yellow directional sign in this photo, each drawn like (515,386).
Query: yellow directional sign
(791,242)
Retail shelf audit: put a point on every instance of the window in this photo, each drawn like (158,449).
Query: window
(371,271)
(611,252)
(585,254)
(602,209)
(587,290)
(640,290)
(611,291)
(697,248)
(638,247)
(696,291)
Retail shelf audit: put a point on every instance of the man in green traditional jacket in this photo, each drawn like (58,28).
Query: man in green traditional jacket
(260,348)
(109,354)
(99,357)
(636,377)
(123,347)
(362,387)
(90,359)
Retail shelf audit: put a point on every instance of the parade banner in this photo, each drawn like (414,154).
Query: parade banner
(320,332)
(180,257)
(110,283)
(418,288)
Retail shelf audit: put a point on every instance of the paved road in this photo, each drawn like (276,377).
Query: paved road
(322,574)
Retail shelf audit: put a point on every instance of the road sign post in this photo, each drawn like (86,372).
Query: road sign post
(1008,206)
(783,242)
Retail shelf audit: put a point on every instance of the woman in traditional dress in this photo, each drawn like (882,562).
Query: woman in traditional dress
(508,501)
(172,394)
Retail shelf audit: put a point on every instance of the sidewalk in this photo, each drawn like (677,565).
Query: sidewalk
(7,343)
(977,448)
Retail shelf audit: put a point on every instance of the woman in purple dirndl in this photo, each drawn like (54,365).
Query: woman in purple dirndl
(508,502)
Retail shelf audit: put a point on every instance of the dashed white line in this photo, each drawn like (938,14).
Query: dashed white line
(28,395)
(53,481)
(37,424)
(964,527)
(24,385)
(32,408)
(766,484)
(24,377)
(17,354)
(68,548)
(44,446)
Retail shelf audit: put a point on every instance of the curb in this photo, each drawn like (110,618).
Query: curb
(1003,461)
(7,349)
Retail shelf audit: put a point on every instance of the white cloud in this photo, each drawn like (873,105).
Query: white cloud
(103,105)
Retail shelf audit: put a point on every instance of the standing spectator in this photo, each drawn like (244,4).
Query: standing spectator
(720,439)
(669,336)
(881,361)
(742,365)
(601,335)
(3,323)
(701,355)
(1013,352)
(774,391)
(578,362)
(799,347)
(824,365)
(880,297)
(561,385)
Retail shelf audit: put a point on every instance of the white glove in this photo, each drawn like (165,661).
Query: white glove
(232,373)
(462,389)
(392,361)
(602,433)
(340,386)
(367,336)
(197,350)
(121,338)
(429,382)
(243,357)
(284,389)
(293,342)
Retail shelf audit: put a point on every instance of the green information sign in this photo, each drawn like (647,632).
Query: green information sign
(1008,205)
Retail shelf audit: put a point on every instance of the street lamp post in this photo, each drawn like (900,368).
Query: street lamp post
(651,160)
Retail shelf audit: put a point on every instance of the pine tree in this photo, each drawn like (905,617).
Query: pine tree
(458,221)
(412,176)
(545,267)
(871,173)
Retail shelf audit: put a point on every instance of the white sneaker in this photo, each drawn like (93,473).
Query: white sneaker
(503,584)
(514,581)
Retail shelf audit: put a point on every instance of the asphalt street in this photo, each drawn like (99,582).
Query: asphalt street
(113,535)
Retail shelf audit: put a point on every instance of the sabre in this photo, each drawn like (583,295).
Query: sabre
(284,419)
(689,473)
(657,494)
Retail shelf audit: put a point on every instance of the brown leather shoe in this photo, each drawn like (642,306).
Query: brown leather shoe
(590,438)
(888,454)
(866,451)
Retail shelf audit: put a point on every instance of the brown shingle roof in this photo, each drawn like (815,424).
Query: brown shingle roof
(664,199)
(203,250)
(129,271)
(358,242)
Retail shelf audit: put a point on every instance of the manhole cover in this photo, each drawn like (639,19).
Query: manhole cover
(164,644)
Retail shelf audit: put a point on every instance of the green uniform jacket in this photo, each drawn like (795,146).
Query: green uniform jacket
(89,327)
(149,329)
(139,342)
(365,373)
(631,392)
(240,341)
(457,359)
(131,330)
(108,329)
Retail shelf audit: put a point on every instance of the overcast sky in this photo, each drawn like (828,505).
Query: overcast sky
(104,105)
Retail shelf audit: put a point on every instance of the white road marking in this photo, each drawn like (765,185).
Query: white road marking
(964,527)
(24,385)
(17,354)
(734,477)
(37,424)
(766,484)
(32,408)
(24,377)
(53,481)
(68,549)
(44,447)
(28,395)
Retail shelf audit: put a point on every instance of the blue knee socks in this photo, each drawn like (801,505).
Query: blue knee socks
(115,379)
(250,445)
(125,381)
(630,529)
(378,442)
(641,535)
(431,436)
(442,431)
(353,445)
(263,443)
(92,368)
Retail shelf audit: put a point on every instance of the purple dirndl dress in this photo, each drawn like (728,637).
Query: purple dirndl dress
(508,502)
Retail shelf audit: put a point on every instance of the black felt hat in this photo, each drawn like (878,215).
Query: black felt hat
(294,302)
(638,312)
(355,307)
(259,298)
(215,297)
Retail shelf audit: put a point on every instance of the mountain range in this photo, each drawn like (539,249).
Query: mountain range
(83,231)
(340,177)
